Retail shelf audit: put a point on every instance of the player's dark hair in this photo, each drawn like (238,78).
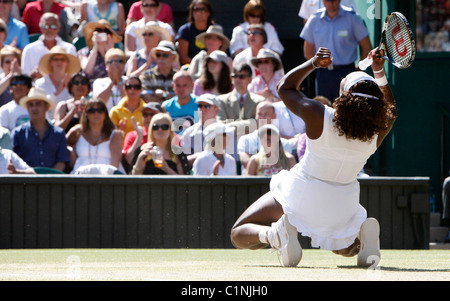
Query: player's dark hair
(360,117)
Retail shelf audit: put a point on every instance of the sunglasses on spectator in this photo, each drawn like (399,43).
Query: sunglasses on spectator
(135,87)
(204,106)
(95,110)
(6,1)
(16,82)
(101,30)
(53,26)
(164,127)
(149,5)
(2,29)
(240,76)
(254,16)
(80,82)
(200,9)
(148,34)
(264,61)
(59,59)
(255,33)
(118,61)
(164,55)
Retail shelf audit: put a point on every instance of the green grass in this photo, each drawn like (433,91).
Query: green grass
(215,265)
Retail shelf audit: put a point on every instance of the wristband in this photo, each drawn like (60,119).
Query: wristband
(379,71)
(382,81)
(312,63)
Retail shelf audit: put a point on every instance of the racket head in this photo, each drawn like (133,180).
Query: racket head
(398,41)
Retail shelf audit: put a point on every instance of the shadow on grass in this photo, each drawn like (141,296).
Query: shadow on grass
(351,267)
(395,269)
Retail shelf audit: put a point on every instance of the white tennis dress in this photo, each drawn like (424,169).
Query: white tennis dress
(320,195)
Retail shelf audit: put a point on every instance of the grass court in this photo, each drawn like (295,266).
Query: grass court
(215,265)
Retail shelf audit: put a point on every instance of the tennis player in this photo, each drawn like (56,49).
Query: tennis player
(319,197)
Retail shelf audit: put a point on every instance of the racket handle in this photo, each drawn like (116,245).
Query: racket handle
(364,64)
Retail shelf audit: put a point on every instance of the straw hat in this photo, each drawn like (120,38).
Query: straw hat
(154,27)
(92,26)
(36,94)
(265,53)
(44,64)
(216,30)
(9,50)
(165,46)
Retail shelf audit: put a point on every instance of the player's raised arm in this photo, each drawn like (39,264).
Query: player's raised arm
(310,111)
(377,58)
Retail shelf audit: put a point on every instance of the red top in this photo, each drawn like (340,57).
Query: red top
(130,137)
(33,13)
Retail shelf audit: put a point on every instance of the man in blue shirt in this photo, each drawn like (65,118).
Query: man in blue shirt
(182,107)
(17,30)
(341,30)
(38,142)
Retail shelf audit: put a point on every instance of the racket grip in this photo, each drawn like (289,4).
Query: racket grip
(364,64)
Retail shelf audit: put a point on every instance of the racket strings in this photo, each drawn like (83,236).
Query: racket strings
(399,45)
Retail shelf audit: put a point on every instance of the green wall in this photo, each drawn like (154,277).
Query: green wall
(68,211)
(419,142)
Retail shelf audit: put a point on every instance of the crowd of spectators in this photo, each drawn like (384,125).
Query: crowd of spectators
(86,89)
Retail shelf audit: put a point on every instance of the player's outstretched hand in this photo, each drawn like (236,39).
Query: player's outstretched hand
(323,58)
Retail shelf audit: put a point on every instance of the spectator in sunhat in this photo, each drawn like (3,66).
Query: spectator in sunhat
(38,142)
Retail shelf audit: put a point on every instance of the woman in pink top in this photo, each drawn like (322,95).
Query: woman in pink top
(270,70)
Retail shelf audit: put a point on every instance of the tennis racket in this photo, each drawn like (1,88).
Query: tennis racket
(398,42)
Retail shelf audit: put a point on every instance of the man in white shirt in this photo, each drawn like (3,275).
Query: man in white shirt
(12,114)
(291,126)
(214,160)
(32,53)
(249,144)
(111,89)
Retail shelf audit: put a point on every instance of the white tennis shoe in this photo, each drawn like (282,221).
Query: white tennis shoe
(369,254)
(283,237)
